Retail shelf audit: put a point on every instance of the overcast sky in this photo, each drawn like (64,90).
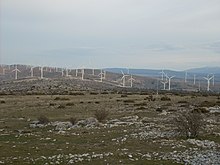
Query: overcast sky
(174,34)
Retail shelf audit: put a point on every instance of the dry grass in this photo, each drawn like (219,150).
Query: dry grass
(18,112)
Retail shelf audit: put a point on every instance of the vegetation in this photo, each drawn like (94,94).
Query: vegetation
(101,115)
(143,128)
(189,124)
(43,119)
(73,120)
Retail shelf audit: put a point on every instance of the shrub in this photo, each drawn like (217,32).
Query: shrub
(218,103)
(189,124)
(70,104)
(129,101)
(61,98)
(76,93)
(159,109)
(207,104)
(140,104)
(61,106)
(141,108)
(183,102)
(52,104)
(43,119)
(104,93)
(201,110)
(94,93)
(165,98)
(73,120)
(101,115)
(2,101)
(124,95)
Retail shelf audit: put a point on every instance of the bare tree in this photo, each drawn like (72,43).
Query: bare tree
(189,124)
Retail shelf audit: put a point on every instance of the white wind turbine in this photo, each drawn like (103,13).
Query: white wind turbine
(208,81)
(102,75)
(131,81)
(169,81)
(123,78)
(16,70)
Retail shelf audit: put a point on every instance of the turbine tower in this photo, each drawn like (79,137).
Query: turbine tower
(208,81)
(76,72)
(131,80)
(194,79)
(213,80)
(186,77)
(83,72)
(3,70)
(42,72)
(16,70)
(32,71)
(164,84)
(104,74)
(67,72)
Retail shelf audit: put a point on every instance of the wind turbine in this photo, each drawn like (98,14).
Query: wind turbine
(16,70)
(123,78)
(131,80)
(208,81)
(102,75)
(169,81)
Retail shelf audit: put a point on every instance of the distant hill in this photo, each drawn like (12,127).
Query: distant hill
(200,73)
(205,70)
